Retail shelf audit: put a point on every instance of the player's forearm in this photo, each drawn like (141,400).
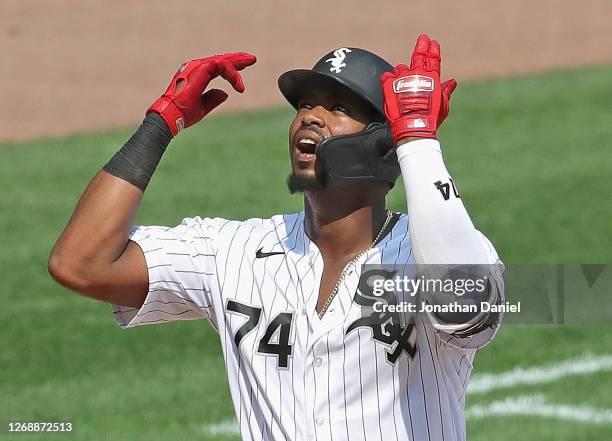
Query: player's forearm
(440,228)
(416,105)
(97,233)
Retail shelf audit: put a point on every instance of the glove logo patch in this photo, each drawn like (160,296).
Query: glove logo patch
(337,63)
(413,83)
(419,124)
(180,124)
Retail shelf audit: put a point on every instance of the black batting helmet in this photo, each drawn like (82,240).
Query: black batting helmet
(369,154)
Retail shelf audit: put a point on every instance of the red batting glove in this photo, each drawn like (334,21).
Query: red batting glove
(415,101)
(183,104)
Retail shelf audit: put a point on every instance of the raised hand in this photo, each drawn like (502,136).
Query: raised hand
(184,102)
(416,103)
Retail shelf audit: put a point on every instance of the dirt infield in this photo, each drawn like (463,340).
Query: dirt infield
(78,66)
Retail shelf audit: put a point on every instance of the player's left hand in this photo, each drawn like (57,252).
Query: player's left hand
(416,103)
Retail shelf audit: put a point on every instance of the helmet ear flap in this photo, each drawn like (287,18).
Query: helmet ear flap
(383,144)
(369,154)
(388,165)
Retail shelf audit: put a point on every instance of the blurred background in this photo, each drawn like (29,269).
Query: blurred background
(527,142)
(71,66)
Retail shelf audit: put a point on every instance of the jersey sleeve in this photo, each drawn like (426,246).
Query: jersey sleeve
(480,335)
(182,273)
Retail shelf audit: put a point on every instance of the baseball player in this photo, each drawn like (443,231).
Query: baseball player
(290,296)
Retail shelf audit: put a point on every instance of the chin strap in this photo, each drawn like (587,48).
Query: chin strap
(369,154)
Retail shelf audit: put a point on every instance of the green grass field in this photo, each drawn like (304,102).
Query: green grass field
(531,155)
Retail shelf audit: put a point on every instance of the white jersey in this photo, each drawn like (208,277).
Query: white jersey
(292,375)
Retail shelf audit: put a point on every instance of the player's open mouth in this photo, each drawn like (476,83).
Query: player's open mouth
(306,147)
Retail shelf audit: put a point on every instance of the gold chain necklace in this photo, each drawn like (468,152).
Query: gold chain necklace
(351,262)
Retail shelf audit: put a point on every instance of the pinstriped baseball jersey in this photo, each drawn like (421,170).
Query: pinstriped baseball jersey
(292,375)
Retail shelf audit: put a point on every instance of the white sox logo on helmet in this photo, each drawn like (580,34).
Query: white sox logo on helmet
(337,63)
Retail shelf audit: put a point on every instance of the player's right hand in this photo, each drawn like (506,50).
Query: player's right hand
(183,103)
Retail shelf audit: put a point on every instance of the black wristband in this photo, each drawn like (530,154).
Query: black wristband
(138,158)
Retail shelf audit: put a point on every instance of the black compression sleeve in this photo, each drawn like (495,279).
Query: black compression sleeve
(138,158)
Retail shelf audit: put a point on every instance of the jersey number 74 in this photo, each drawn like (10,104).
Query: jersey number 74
(275,340)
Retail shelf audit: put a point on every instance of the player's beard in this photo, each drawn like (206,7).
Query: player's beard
(299,183)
